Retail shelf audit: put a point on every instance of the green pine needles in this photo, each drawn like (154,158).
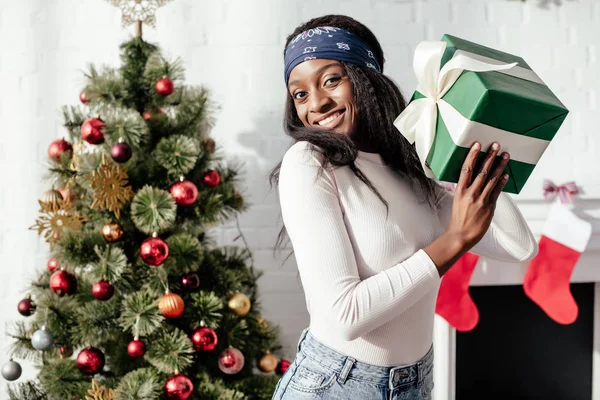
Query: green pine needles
(118,292)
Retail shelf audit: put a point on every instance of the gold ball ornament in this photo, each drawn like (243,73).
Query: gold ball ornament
(171,305)
(240,304)
(51,200)
(112,232)
(267,363)
(262,325)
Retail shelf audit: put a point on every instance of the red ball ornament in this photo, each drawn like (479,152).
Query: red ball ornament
(26,307)
(53,264)
(103,290)
(136,348)
(121,152)
(212,178)
(59,147)
(185,193)
(190,281)
(282,366)
(61,283)
(91,131)
(90,360)
(83,97)
(164,86)
(205,339)
(179,387)
(231,361)
(154,251)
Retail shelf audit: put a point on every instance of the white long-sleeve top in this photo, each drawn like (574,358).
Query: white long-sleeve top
(370,288)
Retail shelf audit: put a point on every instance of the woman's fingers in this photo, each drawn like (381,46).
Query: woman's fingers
(495,177)
(498,189)
(484,172)
(464,181)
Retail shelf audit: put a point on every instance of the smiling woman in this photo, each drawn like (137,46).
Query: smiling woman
(371,233)
(334,109)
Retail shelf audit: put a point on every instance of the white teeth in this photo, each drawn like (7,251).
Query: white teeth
(329,119)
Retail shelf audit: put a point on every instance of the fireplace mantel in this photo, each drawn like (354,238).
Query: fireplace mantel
(492,272)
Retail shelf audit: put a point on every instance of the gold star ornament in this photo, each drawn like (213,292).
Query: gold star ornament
(110,185)
(98,392)
(138,10)
(52,222)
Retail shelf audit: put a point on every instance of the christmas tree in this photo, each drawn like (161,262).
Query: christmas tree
(137,301)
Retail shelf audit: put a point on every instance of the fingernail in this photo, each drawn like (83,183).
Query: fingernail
(495,146)
(476,145)
(505,177)
(505,155)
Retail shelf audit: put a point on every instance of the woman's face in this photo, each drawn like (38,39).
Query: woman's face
(323,96)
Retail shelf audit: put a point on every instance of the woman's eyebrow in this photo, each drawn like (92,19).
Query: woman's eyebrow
(323,68)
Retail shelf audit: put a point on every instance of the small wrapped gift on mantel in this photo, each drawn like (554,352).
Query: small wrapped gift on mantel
(467,93)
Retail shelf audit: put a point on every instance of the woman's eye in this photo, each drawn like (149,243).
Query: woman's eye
(298,93)
(332,80)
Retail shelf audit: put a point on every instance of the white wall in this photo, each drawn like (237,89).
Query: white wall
(235,47)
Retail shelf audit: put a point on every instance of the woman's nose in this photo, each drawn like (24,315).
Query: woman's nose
(320,102)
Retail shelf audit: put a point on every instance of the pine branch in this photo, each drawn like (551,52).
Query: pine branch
(141,384)
(211,388)
(155,281)
(185,254)
(193,114)
(124,123)
(134,55)
(158,67)
(104,86)
(257,387)
(110,266)
(206,307)
(153,210)
(29,390)
(73,118)
(77,247)
(21,347)
(97,322)
(236,330)
(144,305)
(177,154)
(62,380)
(171,351)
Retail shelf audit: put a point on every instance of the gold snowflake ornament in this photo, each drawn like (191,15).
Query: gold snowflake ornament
(110,185)
(99,392)
(51,224)
(138,10)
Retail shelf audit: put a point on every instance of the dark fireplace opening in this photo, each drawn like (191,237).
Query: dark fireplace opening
(518,352)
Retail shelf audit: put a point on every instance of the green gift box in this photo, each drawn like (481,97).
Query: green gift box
(510,105)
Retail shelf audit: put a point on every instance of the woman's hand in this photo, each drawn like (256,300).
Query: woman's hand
(472,209)
(475,198)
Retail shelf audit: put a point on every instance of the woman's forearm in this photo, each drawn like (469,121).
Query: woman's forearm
(445,251)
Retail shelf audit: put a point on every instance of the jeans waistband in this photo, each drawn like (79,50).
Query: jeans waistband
(391,377)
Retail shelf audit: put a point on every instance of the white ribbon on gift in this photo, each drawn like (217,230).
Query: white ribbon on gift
(418,120)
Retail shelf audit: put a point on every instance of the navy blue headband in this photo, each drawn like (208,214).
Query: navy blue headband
(330,43)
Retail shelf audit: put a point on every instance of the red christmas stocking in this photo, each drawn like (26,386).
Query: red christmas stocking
(547,281)
(454,303)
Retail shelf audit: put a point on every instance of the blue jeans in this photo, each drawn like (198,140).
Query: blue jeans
(319,372)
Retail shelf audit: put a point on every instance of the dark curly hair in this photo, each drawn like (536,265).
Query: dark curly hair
(379,101)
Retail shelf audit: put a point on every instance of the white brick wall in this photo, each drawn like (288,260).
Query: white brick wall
(235,47)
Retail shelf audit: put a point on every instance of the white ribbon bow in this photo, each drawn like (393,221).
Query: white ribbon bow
(418,120)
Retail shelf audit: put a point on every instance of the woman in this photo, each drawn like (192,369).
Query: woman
(372,235)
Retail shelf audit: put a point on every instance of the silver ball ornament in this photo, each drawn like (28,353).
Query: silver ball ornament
(11,371)
(42,339)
